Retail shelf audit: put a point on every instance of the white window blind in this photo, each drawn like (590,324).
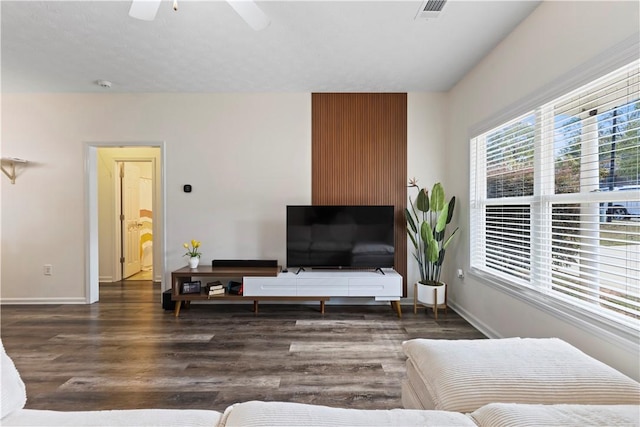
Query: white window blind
(555,198)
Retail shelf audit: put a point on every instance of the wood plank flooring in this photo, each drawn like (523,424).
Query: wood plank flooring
(127,352)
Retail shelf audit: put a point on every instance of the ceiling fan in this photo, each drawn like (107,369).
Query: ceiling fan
(247,9)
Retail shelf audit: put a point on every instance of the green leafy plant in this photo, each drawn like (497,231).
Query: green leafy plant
(427,221)
(193,250)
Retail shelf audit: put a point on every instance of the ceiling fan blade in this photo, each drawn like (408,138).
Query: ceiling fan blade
(144,9)
(251,13)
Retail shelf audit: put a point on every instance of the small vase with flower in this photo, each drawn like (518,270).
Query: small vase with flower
(193,252)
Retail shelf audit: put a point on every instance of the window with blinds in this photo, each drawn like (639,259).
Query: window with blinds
(555,199)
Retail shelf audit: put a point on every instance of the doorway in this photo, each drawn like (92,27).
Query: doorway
(104,233)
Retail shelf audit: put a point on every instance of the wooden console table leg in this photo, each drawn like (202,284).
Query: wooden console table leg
(322,306)
(395,305)
(415,298)
(176,310)
(255,306)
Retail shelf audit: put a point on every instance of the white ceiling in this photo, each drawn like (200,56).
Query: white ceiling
(310,46)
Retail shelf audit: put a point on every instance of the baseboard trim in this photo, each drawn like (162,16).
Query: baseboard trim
(42,301)
(474,321)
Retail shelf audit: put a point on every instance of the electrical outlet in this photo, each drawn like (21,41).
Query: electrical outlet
(47,269)
(460,273)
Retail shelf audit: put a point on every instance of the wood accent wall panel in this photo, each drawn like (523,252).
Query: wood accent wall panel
(359,156)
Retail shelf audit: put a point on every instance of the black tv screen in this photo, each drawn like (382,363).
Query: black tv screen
(340,236)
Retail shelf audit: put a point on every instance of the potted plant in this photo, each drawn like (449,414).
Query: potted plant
(193,252)
(427,220)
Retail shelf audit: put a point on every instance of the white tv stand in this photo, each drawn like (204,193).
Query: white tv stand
(329,283)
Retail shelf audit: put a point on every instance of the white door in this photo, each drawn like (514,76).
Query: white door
(131,224)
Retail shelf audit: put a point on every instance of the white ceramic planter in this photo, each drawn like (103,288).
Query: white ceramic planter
(193,262)
(431,296)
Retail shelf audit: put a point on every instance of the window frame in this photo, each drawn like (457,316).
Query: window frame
(620,333)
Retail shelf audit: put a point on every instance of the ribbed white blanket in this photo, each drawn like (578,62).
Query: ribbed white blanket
(463,375)
(521,415)
(285,414)
(125,417)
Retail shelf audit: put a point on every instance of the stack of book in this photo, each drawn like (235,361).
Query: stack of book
(216,289)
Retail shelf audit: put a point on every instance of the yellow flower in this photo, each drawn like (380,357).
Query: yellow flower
(192,251)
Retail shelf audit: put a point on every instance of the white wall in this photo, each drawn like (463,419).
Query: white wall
(426,136)
(246,155)
(552,41)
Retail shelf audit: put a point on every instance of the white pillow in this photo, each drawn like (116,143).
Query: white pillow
(13,394)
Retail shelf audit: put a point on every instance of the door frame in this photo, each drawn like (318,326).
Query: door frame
(92,293)
(117,206)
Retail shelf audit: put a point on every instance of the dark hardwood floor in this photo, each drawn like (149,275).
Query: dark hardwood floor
(127,352)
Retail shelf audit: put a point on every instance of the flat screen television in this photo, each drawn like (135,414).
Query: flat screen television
(340,236)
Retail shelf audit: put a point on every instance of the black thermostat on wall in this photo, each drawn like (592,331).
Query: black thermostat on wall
(187,188)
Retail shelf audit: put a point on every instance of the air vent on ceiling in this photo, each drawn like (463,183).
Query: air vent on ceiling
(430,9)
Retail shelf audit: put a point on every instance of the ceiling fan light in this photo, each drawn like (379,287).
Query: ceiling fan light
(251,13)
(145,10)
(248,10)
